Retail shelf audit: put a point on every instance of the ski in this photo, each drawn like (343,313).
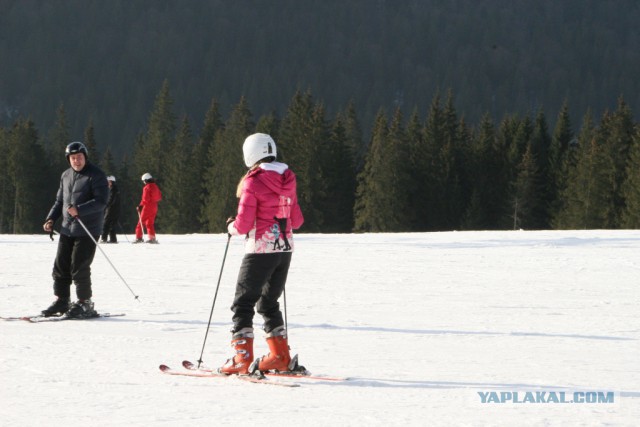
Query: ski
(293,374)
(35,316)
(305,375)
(211,374)
(40,318)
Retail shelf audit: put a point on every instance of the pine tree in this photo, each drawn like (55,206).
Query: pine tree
(417,164)
(558,154)
(512,141)
(92,147)
(540,148)
(213,123)
(464,153)
(269,124)
(107,163)
(630,217)
(541,143)
(398,175)
(588,199)
(180,190)
(129,185)
(6,184)
(354,138)
(302,145)
(294,147)
(340,181)
(226,167)
(317,176)
(59,138)
(436,159)
(28,170)
(150,151)
(515,138)
(448,170)
(430,170)
(564,215)
(616,132)
(488,205)
(382,197)
(372,191)
(526,193)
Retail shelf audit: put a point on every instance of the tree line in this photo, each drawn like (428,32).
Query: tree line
(433,173)
(500,57)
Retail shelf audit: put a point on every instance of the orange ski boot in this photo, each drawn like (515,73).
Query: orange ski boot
(242,343)
(278,358)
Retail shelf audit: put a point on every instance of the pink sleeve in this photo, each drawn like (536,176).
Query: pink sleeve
(247,207)
(296,215)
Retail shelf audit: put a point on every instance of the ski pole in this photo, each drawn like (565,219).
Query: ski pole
(286,326)
(123,232)
(105,255)
(140,221)
(214,299)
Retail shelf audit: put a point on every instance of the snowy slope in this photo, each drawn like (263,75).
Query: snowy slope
(423,323)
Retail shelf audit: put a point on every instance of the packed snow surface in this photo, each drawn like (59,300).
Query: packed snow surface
(425,325)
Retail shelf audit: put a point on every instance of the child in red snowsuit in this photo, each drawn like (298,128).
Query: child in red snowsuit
(148,209)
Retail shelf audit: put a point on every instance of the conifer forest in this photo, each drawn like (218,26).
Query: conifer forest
(395,116)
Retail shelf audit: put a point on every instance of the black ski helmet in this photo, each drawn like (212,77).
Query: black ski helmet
(75,148)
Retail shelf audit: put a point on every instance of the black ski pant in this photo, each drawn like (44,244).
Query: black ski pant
(260,283)
(73,264)
(109,228)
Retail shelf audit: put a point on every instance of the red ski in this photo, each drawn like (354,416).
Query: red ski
(210,374)
(304,374)
(40,318)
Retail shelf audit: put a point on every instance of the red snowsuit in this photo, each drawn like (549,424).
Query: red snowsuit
(150,197)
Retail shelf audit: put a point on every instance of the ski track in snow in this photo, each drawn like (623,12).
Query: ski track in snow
(420,322)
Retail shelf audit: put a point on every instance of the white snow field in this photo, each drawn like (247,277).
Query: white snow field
(460,328)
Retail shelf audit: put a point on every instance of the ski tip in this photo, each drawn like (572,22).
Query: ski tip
(188,364)
(164,368)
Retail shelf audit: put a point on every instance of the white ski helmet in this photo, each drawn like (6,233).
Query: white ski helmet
(111,178)
(257,147)
(147,176)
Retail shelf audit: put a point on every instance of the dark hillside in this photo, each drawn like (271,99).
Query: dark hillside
(106,60)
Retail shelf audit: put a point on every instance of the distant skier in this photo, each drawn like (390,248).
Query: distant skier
(148,209)
(268,211)
(83,193)
(112,212)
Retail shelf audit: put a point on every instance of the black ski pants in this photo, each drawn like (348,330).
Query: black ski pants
(261,281)
(73,263)
(109,228)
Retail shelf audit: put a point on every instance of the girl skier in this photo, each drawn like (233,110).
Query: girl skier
(268,211)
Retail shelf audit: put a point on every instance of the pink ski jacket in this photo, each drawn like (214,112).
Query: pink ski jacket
(268,210)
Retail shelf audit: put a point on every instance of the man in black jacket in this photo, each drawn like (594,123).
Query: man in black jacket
(83,193)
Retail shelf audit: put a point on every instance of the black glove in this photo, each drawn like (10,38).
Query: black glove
(139,208)
(229,221)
